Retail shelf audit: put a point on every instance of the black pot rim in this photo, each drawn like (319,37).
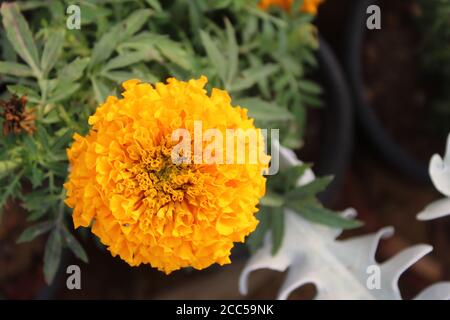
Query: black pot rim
(338,135)
(391,151)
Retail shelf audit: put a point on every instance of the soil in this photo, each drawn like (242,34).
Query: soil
(395,85)
(20,264)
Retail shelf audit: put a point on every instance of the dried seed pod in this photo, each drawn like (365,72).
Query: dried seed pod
(16,117)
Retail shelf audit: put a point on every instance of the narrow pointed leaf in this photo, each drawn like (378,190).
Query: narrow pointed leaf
(52,255)
(19,35)
(35,231)
(15,69)
(52,51)
(74,245)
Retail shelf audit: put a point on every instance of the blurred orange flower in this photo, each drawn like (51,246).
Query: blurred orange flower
(309,6)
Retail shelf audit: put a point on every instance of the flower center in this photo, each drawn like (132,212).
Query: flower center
(157,180)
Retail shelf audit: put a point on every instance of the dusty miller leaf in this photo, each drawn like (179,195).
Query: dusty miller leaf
(311,254)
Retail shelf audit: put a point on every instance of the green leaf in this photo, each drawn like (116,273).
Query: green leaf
(52,51)
(313,211)
(120,76)
(293,174)
(7,167)
(35,230)
(58,167)
(122,31)
(43,138)
(37,203)
(310,189)
(272,199)
(126,59)
(233,53)
(277,222)
(37,177)
(311,101)
(63,91)
(19,90)
(218,4)
(62,141)
(15,69)
(31,5)
(174,52)
(261,110)
(10,190)
(20,36)
(215,56)
(308,86)
(155,5)
(101,91)
(256,238)
(73,71)
(52,255)
(252,76)
(74,245)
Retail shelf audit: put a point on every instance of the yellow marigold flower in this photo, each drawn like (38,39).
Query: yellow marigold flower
(309,6)
(143,206)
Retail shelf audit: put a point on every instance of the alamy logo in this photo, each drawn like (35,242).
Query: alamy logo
(373,281)
(74,279)
(374,20)
(74,19)
(230,146)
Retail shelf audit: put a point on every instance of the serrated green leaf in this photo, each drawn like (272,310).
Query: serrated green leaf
(262,110)
(120,76)
(58,167)
(37,177)
(311,101)
(277,224)
(63,91)
(52,255)
(35,230)
(309,87)
(313,211)
(216,58)
(62,141)
(15,69)
(73,71)
(101,91)
(74,245)
(20,90)
(310,189)
(126,59)
(38,203)
(272,199)
(19,35)
(287,179)
(233,53)
(252,76)
(52,51)
(293,174)
(7,167)
(10,190)
(256,238)
(174,52)
(43,138)
(155,5)
(122,31)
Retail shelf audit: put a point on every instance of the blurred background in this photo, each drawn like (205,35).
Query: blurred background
(387,112)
